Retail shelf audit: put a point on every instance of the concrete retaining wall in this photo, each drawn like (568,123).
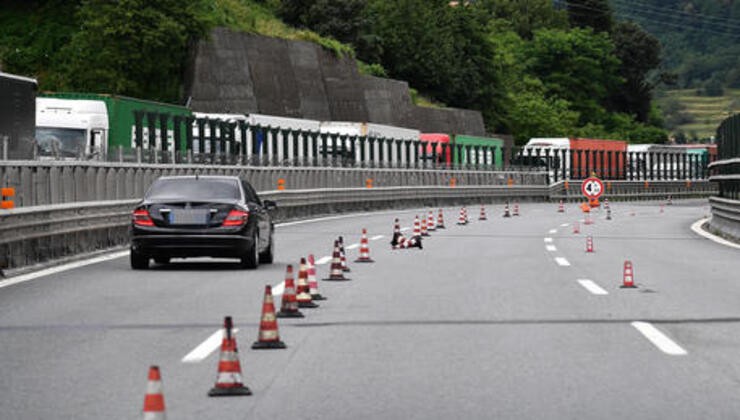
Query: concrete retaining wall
(234,72)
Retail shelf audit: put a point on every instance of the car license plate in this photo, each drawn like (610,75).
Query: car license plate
(189,217)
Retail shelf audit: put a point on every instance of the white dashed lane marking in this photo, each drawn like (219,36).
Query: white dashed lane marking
(660,340)
(548,240)
(353,246)
(376,237)
(562,261)
(551,248)
(553,231)
(592,287)
(205,348)
(323,260)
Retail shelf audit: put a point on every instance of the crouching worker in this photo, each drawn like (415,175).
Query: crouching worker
(400,242)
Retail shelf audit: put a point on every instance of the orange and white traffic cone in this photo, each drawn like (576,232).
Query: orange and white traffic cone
(589,244)
(606,203)
(576,227)
(303,295)
(461,218)
(417,226)
(289,305)
(396,227)
(465,214)
(506,210)
(313,284)
(342,255)
(431,226)
(482,213)
(628,278)
(336,273)
(424,231)
(441,220)
(364,249)
(268,336)
(154,398)
(561,207)
(516,208)
(229,380)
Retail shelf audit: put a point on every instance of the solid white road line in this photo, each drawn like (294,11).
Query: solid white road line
(564,224)
(405,229)
(376,237)
(353,246)
(660,340)
(562,261)
(696,227)
(207,347)
(323,260)
(548,240)
(553,231)
(551,248)
(592,287)
(64,267)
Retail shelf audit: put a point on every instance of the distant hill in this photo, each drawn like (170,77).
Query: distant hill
(700,38)
(697,116)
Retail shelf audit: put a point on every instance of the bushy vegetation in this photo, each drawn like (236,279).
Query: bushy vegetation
(532,69)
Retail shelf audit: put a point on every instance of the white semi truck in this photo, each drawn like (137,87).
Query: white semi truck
(71,129)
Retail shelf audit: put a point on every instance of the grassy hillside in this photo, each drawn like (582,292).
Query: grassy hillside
(696,115)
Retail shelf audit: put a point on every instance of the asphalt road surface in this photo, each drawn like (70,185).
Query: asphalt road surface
(505,319)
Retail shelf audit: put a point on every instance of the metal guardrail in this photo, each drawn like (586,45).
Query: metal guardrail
(44,183)
(725,218)
(636,190)
(36,234)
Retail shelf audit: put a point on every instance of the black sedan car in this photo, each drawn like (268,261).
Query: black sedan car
(202,216)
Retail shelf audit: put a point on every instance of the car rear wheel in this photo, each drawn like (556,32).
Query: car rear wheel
(268,256)
(139,261)
(251,259)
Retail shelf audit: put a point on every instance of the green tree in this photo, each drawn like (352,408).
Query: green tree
(532,115)
(594,14)
(578,66)
(525,16)
(340,19)
(132,47)
(639,53)
(443,51)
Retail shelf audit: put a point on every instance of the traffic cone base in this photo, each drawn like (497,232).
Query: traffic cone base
(230,392)
(289,314)
(336,278)
(317,296)
(266,345)
(306,301)
(364,260)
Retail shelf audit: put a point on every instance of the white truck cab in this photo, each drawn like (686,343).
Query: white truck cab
(71,129)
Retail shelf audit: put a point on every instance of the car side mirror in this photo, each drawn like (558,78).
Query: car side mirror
(269,204)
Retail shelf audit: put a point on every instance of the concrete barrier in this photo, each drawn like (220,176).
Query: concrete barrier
(36,235)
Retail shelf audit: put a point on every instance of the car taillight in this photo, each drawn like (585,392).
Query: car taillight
(141,218)
(236,218)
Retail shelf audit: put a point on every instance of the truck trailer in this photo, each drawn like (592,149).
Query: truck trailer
(17,116)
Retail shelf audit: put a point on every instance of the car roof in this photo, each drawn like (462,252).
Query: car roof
(213,177)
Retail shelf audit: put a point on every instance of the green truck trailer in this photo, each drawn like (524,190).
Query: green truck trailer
(70,115)
(478,150)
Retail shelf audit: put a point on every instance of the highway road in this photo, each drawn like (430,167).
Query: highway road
(505,319)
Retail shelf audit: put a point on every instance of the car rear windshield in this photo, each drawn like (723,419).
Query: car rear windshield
(194,189)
